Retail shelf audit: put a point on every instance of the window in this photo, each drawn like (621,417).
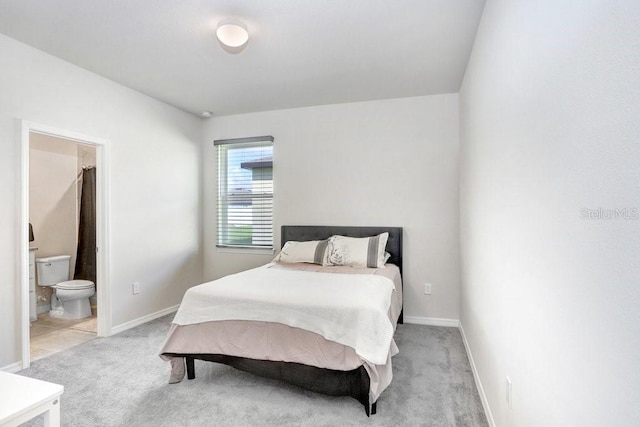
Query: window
(245,192)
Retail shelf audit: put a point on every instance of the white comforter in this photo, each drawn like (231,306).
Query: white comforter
(350,309)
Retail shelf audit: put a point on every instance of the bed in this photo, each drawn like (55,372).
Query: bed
(288,347)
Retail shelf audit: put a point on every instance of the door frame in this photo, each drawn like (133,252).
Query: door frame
(102,227)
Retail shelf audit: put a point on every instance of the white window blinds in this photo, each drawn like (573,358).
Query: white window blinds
(245,192)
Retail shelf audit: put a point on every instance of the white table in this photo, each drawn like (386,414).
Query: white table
(23,398)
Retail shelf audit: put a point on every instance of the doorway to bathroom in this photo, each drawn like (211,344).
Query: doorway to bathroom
(63,224)
(64,204)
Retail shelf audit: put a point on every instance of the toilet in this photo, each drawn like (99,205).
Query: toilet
(71,297)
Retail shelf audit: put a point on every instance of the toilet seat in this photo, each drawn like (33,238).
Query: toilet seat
(74,285)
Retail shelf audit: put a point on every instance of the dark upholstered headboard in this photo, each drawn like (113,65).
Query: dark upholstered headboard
(302,233)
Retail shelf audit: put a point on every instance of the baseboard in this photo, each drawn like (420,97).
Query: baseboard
(476,377)
(432,321)
(144,319)
(13,368)
(43,309)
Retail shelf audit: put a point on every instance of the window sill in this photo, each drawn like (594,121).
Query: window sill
(245,250)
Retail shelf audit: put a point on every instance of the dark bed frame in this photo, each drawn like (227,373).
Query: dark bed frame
(353,383)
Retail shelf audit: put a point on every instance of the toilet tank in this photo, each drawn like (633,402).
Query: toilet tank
(53,269)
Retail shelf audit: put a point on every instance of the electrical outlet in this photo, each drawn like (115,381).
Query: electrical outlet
(136,288)
(427,288)
(509,392)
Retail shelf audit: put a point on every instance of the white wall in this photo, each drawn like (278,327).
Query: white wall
(388,162)
(550,120)
(155,177)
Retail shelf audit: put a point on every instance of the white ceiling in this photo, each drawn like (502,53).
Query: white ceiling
(300,52)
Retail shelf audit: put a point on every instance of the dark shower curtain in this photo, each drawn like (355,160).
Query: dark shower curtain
(86,254)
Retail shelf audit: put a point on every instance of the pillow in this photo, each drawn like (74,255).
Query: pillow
(313,251)
(357,252)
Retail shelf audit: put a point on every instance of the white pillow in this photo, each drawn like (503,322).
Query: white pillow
(313,251)
(357,252)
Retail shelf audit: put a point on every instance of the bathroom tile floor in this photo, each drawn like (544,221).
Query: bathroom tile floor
(50,335)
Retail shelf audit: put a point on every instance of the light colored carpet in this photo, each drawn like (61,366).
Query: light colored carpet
(121,381)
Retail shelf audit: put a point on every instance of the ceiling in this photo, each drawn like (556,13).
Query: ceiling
(300,52)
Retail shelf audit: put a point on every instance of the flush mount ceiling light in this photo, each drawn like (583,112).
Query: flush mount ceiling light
(232,35)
